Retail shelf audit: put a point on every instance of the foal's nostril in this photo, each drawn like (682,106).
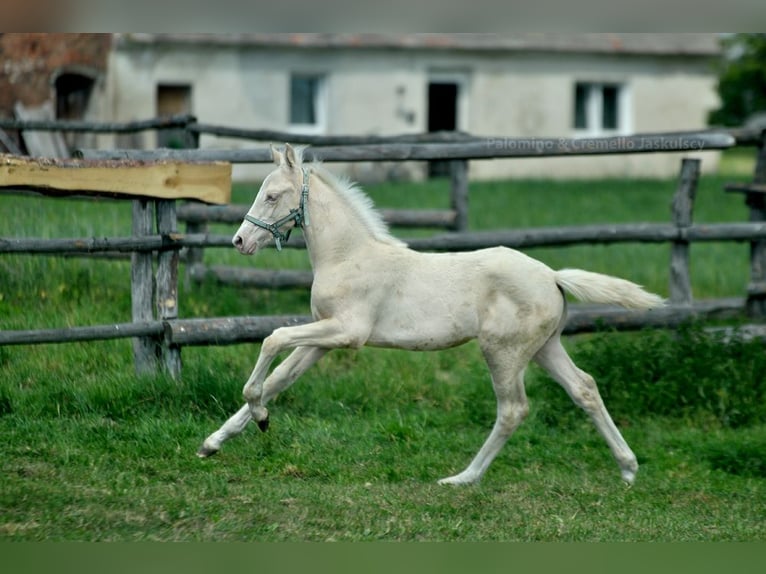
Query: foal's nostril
(237,241)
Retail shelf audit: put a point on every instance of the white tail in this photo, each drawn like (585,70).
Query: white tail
(599,288)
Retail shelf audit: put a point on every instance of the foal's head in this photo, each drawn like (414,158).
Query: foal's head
(278,206)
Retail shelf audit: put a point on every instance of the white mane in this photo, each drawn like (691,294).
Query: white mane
(359,201)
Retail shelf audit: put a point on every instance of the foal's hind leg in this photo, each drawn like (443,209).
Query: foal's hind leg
(582,389)
(299,361)
(507,369)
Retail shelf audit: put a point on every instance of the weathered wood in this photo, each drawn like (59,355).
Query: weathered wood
(165,122)
(233,330)
(486,148)
(755,199)
(742,136)
(229,330)
(146,329)
(459,194)
(586,318)
(724,231)
(167,285)
(595,234)
(545,236)
(682,208)
(9,143)
(88,245)
(253,277)
(325,140)
(196,213)
(530,237)
(582,318)
(209,182)
(142,289)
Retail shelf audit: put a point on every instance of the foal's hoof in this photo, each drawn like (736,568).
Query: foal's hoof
(261,416)
(629,477)
(206,451)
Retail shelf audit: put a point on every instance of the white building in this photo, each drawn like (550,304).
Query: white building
(516,85)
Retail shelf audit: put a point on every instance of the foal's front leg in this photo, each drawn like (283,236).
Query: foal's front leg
(299,361)
(324,335)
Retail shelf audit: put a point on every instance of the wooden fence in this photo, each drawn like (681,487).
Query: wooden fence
(160,333)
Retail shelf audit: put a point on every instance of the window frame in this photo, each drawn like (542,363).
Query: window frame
(594,108)
(319,102)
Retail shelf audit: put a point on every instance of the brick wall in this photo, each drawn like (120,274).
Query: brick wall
(29,62)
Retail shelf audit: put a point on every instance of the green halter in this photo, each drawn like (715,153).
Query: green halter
(299,215)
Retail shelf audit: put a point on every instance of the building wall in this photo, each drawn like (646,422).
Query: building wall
(31,62)
(534,97)
(384,92)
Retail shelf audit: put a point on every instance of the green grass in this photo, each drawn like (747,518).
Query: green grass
(93,452)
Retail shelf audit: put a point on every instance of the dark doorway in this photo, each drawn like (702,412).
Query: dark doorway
(442,116)
(73,93)
(174,100)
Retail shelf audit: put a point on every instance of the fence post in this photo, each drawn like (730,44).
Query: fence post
(142,289)
(683,205)
(167,284)
(194,255)
(459,193)
(756,300)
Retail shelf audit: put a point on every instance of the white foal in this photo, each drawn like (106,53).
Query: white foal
(370,289)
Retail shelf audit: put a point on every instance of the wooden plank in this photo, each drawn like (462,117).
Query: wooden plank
(167,285)
(582,319)
(165,122)
(229,330)
(587,318)
(232,330)
(48,144)
(76,334)
(208,182)
(479,148)
(91,245)
(142,289)
(325,140)
(517,238)
(756,202)
(682,208)
(459,194)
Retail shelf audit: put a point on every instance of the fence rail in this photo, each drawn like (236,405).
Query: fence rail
(742,136)
(477,148)
(467,241)
(235,330)
(159,334)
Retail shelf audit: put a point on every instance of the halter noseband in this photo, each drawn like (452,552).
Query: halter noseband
(299,215)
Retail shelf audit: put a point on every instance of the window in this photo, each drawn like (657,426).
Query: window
(600,108)
(307,102)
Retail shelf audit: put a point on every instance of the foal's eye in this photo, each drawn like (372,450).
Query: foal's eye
(271,198)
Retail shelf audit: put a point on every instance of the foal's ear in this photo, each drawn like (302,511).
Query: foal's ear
(290,159)
(276,155)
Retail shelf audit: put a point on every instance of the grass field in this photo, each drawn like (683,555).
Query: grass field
(92,452)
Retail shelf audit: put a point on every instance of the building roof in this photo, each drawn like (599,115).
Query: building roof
(697,44)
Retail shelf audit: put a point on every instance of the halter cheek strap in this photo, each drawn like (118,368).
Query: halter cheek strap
(299,215)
